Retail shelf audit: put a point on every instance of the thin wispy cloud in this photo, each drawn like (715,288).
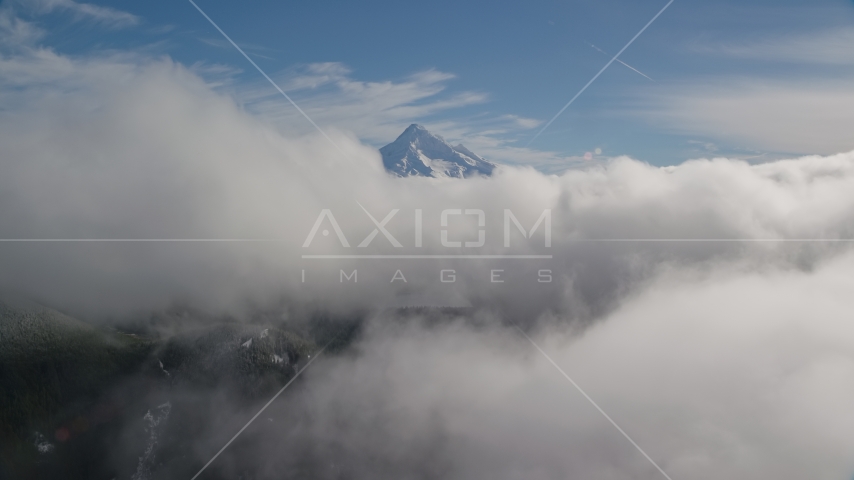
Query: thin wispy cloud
(523,122)
(378,111)
(15,31)
(373,110)
(254,50)
(777,115)
(809,109)
(828,47)
(106,16)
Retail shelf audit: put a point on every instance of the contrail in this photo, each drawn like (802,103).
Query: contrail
(621,62)
(276,86)
(600,72)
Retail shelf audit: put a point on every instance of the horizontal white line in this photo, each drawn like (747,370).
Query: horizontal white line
(281,240)
(141,240)
(724,240)
(417,257)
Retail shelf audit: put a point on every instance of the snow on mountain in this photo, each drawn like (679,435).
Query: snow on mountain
(417,152)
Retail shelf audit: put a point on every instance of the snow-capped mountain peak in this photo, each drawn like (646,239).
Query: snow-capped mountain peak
(417,152)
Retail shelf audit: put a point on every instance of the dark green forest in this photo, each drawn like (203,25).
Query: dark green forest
(75,396)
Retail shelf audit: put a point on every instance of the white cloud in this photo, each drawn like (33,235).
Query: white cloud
(523,122)
(107,16)
(795,116)
(14,31)
(823,47)
(793,97)
(128,147)
(804,106)
(723,375)
(379,111)
(376,111)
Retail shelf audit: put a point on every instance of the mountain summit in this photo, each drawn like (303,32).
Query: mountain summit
(419,153)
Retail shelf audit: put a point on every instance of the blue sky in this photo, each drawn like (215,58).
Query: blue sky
(749,79)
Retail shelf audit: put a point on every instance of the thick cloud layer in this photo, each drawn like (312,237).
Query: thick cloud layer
(143,149)
(738,376)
